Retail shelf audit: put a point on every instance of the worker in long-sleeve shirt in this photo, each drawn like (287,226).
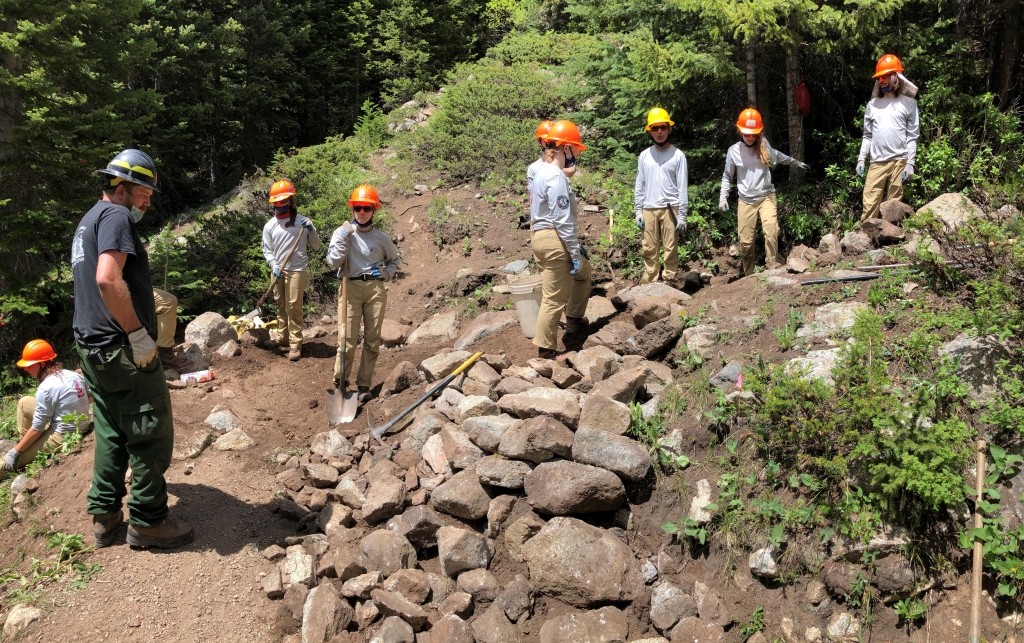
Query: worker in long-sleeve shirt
(891,130)
(279,237)
(751,161)
(564,264)
(372,260)
(660,201)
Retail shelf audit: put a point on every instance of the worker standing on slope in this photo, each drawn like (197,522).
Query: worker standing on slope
(891,129)
(751,161)
(372,260)
(45,418)
(279,236)
(660,200)
(564,264)
(115,326)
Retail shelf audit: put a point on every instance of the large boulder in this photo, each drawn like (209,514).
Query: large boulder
(404,375)
(977,360)
(816,365)
(393,333)
(564,487)
(331,445)
(855,243)
(952,209)
(619,454)
(441,328)
(599,309)
(428,422)
(485,325)
(605,414)
(537,440)
(582,565)
(562,405)
(474,406)
(210,330)
(605,625)
(895,211)
(588,358)
(654,338)
(442,365)
(386,498)
(831,318)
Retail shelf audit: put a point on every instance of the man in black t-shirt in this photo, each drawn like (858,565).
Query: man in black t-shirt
(115,329)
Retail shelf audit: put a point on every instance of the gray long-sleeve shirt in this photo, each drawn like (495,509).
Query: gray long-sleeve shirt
(278,241)
(364,250)
(891,130)
(552,207)
(661,180)
(59,395)
(753,178)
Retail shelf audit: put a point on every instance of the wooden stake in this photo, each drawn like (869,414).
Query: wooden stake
(979,558)
(611,223)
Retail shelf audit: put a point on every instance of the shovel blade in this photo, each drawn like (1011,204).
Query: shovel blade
(341,406)
(251,314)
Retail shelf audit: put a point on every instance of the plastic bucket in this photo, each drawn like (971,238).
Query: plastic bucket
(527,293)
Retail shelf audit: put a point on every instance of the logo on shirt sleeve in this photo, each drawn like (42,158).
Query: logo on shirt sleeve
(562,202)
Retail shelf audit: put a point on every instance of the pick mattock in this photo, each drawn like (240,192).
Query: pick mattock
(273,280)
(379,431)
(342,404)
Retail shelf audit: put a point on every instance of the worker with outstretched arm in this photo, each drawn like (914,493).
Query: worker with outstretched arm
(563,262)
(372,260)
(891,130)
(279,237)
(751,161)
(115,328)
(660,201)
(59,407)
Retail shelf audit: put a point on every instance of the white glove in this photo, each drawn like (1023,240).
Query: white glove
(640,221)
(860,167)
(681,223)
(908,173)
(143,347)
(347,228)
(723,204)
(10,461)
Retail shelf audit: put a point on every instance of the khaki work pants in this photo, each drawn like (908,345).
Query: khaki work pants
(27,409)
(366,302)
(747,215)
(166,317)
(288,291)
(884,181)
(659,232)
(560,289)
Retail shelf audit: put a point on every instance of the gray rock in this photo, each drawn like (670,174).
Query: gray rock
(486,431)
(855,243)
(458,448)
(880,257)
(599,309)
(452,629)
(580,564)
(272,585)
(654,337)
(623,386)
(586,359)
(895,211)
(333,516)
(694,630)
(485,325)
(952,209)
(410,583)
(512,386)
(332,445)
(393,334)
(815,591)
(229,349)
(435,457)
(494,627)
(320,475)
(223,420)
(669,605)
(499,509)
(831,318)
(485,374)
(457,603)
(829,243)
(700,339)
(324,615)
(604,414)
(462,549)
(351,492)
(499,472)
(475,406)
(387,552)
(563,487)
(401,377)
(298,567)
(517,598)
(419,525)
(619,454)
(537,440)
(977,362)
(698,505)
(441,365)
(462,497)
(762,563)
(709,605)
(605,625)
(728,376)
(516,267)
(843,625)
(393,604)
(564,377)
(23,484)
(480,584)
(521,530)
(210,330)
(441,328)
(234,440)
(797,265)
(428,422)
(394,630)
(448,403)
(655,289)
(816,365)
(561,405)
(386,498)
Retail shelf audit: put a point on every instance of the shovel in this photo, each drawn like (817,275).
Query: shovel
(342,404)
(273,281)
(379,431)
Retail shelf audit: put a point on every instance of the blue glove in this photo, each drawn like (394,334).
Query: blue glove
(308,225)
(575,267)
(860,168)
(10,460)
(640,221)
(277,271)
(583,251)
(375,272)
(908,173)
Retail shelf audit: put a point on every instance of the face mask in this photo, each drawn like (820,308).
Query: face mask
(363,225)
(137,214)
(282,211)
(888,88)
(570,157)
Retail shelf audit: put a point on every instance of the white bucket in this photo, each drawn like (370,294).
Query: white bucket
(527,293)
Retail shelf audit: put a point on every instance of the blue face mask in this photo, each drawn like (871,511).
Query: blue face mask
(137,214)
(283,211)
(570,157)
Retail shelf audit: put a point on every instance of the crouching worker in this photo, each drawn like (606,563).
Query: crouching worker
(368,259)
(60,405)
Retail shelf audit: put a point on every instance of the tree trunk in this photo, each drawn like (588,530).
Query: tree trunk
(764,97)
(751,75)
(794,118)
(1006,65)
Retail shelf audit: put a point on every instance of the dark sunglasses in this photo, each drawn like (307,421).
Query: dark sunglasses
(362,208)
(659,128)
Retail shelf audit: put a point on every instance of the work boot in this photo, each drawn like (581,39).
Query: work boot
(575,324)
(104,528)
(364,395)
(172,532)
(546,353)
(169,359)
(294,354)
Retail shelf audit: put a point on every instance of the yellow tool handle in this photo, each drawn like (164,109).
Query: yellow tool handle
(467,363)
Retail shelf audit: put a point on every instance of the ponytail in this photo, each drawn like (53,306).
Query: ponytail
(764,151)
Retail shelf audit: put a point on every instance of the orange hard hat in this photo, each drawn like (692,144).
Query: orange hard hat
(543,129)
(281,190)
(749,121)
(566,133)
(888,64)
(364,195)
(35,352)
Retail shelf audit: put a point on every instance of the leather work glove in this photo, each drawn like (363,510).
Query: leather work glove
(347,228)
(640,221)
(583,251)
(575,267)
(143,347)
(277,271)
(908,173)
(10,460)
(723,204)
(803,166)
(860,168)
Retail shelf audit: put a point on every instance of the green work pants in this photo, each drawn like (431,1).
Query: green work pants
(132,416)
